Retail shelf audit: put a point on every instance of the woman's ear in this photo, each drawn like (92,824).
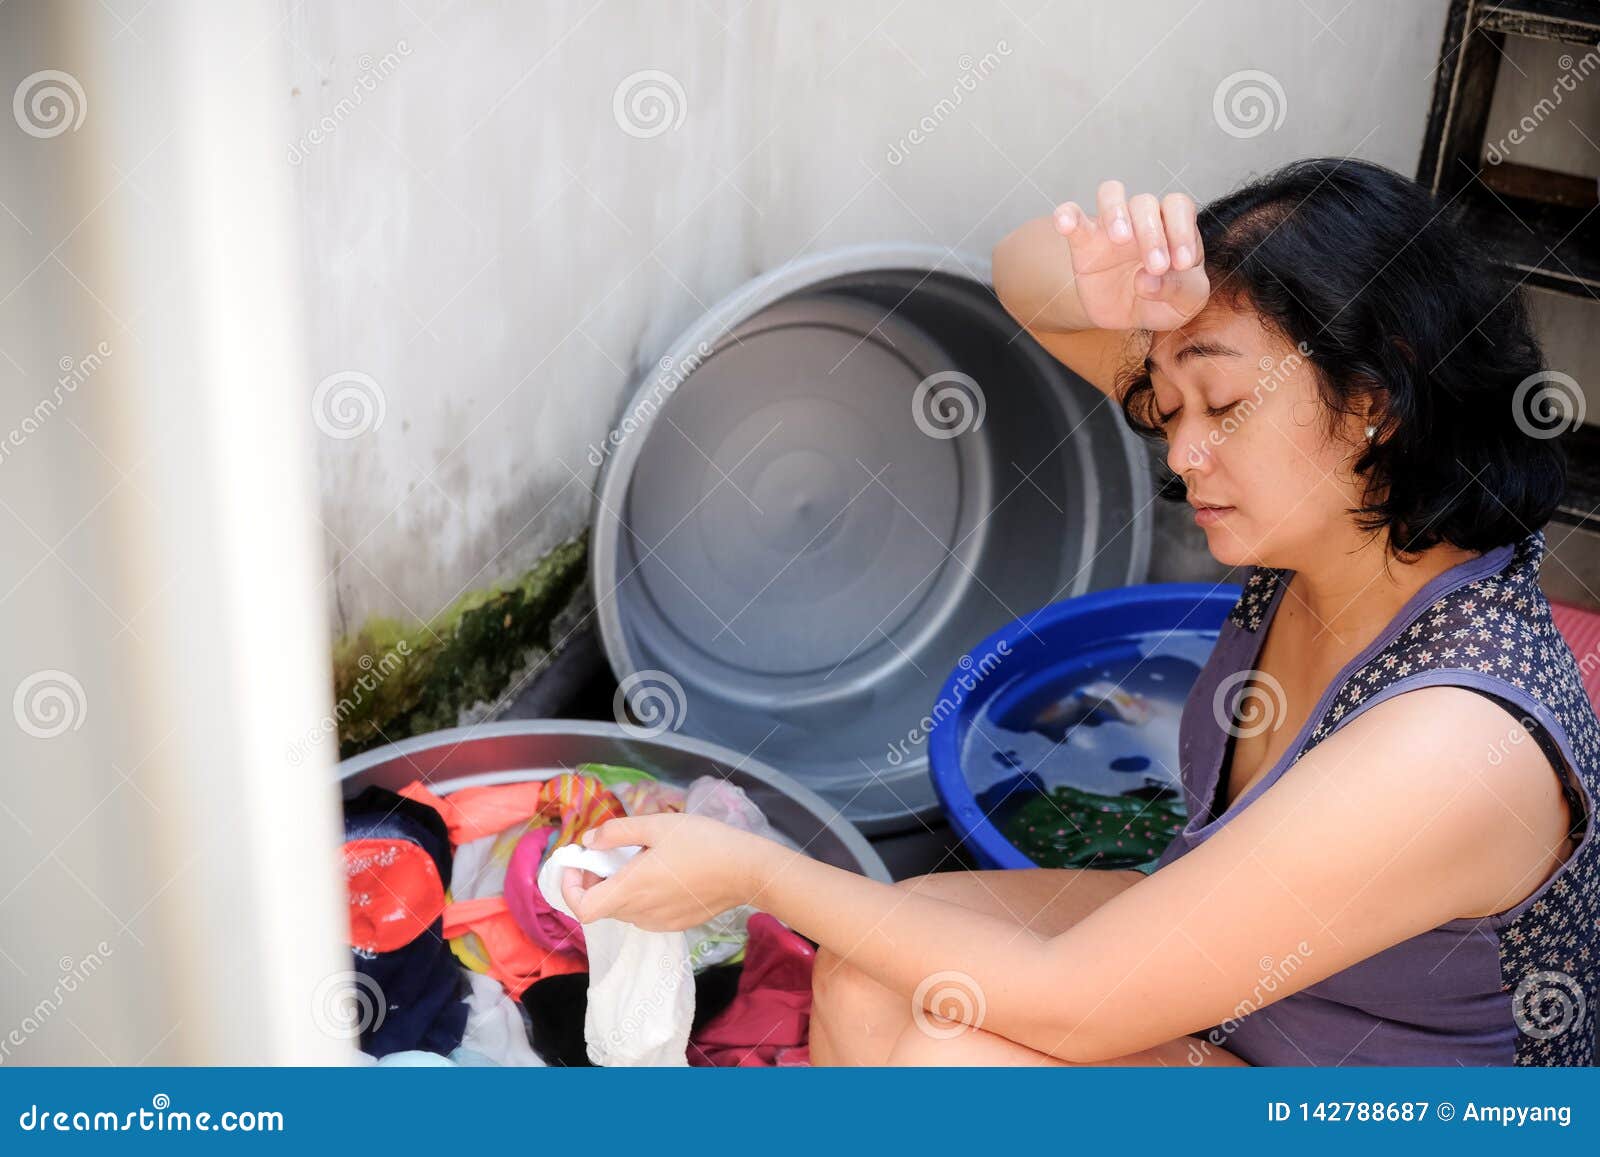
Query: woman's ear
(1371,409)
(1373,416)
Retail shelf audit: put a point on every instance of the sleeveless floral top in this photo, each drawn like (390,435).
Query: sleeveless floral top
(1517,987)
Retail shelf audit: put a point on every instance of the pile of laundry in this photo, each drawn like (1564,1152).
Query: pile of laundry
(468,954)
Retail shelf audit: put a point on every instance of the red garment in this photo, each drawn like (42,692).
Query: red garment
(770,1018)
(393,892)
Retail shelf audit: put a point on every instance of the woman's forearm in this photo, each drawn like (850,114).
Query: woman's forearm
(903,939)
(1033,278)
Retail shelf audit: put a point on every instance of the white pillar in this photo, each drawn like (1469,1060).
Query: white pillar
(164,632)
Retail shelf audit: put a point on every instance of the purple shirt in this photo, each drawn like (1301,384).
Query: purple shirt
(1517,987)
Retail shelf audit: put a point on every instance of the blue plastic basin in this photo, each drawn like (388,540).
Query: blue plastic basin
(1047,652)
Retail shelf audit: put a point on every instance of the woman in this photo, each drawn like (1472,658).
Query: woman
(1389,763)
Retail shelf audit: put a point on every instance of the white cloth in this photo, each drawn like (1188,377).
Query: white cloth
(480,866)
(641,987)
(495,1030)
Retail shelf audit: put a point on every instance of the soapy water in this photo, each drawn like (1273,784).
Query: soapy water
(1103,722)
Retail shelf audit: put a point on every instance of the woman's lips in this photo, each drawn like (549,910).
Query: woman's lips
(1211,515)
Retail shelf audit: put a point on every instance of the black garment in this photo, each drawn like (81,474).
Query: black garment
(557,1004)
(556,1007)
(422,993)
(413,997)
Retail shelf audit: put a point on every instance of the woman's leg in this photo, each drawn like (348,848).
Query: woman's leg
(857,1021)
(918,1045)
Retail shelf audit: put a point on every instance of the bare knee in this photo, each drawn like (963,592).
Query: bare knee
(837,984)
(843,994)
(833,974)
(827,979)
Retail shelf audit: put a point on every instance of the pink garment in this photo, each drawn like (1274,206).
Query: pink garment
(1581,630)
(769,1021)
(539,922)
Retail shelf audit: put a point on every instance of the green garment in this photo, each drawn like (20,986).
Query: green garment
(612,774)
(1069,828)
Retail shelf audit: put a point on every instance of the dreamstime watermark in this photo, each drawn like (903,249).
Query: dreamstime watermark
(160,1117)
(1274,373)
(670,375)
(649,103)
(1262,705)
(1588,662)
(1572,74)
(649,703)
(347,1004)
(348,404)
(1274,975)
(1548,404)
(947,404)
(948,1004)
(1524,728)
(49,103)
(972,672)
(73,973)
(972,73)
(49,703)
(1546,1004)
(74,372)
(1248,103)
(372,73)
(373,673)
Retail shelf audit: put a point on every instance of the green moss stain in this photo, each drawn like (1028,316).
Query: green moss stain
(392,681)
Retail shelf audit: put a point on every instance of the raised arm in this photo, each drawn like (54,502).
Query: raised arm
(1087,287)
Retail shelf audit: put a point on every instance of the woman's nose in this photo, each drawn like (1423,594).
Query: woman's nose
(1189,451)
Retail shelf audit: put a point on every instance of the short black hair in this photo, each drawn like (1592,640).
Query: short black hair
(1392,298)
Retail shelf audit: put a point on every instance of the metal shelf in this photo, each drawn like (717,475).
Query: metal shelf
(1581,506)
(1543,224)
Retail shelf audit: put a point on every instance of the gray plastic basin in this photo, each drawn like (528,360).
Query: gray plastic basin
(798,533)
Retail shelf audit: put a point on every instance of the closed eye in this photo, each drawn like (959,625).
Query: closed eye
(1211,412)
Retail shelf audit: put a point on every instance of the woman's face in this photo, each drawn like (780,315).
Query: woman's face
(1247,431)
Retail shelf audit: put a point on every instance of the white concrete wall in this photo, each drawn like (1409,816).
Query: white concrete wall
(484,240)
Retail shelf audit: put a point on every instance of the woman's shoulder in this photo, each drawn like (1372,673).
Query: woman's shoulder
(1489,631)
(1470,775)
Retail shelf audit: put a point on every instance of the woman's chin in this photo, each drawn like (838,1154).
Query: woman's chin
(1228,548)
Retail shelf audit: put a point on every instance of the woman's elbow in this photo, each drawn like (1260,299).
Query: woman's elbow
(1007,267)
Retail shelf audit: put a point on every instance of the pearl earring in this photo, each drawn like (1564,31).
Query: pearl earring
(1371,430)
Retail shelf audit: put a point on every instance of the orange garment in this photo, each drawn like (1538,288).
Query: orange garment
(514,960)
(576,801)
